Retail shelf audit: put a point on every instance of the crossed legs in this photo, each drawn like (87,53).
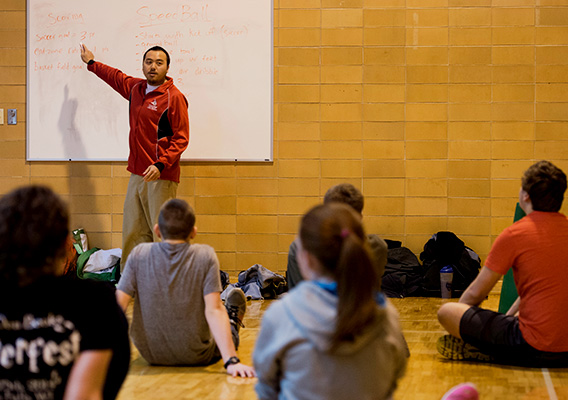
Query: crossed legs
(450,315)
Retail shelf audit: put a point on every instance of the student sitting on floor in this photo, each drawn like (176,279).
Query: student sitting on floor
(59,338)
(328,338)
(178,316)
(348,194)
(536,248)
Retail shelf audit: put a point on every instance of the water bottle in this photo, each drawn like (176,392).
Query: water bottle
(446,277)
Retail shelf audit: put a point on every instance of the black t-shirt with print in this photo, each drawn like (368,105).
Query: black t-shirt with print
(43,328)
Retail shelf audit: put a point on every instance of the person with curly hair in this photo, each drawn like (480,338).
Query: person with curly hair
(59,338)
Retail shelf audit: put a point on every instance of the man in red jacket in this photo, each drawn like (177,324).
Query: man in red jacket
(159,133)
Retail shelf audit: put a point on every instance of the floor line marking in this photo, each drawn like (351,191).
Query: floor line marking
(549,385)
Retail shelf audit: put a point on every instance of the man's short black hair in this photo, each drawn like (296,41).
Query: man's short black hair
(158,48)
(545,184)
(176,220)
(345,193)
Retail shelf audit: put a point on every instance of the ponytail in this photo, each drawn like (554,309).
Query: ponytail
(334,235)
(356,284)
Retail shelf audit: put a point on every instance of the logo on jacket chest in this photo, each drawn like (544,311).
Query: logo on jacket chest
(153,105)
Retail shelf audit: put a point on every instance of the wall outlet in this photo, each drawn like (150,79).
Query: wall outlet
(1,116)
(12,116)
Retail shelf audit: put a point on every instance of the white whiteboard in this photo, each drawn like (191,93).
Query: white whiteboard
(221,59)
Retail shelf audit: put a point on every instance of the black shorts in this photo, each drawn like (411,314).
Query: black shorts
(499,335)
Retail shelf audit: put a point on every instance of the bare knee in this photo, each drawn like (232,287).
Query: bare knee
(450,315)
(444,312)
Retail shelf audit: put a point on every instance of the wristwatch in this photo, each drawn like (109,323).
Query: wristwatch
(231,361)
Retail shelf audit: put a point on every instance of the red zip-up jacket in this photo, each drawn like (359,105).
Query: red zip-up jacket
(159,121)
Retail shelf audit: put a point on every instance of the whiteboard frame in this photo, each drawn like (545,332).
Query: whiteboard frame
(182,160)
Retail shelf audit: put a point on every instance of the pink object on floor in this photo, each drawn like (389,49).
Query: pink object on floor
(464,391)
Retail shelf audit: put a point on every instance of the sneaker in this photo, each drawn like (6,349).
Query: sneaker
(464,391)
(456,349)
(236,305)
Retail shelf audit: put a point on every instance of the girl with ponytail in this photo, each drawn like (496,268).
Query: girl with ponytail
(334,336)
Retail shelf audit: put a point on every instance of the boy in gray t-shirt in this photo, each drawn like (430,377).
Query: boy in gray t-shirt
(178,316)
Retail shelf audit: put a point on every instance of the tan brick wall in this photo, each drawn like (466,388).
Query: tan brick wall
(432,107)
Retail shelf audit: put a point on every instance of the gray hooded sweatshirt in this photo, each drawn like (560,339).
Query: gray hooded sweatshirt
(292,354)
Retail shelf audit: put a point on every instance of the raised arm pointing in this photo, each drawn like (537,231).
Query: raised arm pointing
(86,54)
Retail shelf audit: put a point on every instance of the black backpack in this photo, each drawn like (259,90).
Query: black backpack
(403,272)
(445,248)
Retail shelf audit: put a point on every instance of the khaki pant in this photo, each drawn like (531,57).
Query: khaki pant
(141,210)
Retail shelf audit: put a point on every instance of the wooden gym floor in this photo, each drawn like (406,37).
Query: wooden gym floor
(428,375)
